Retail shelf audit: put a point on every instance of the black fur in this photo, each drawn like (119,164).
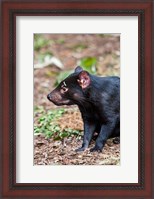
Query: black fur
(98,99)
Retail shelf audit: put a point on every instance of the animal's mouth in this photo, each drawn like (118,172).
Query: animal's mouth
(58,100)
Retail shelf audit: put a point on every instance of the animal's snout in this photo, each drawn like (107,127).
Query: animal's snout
(51,97)
(54,97)
(48,96)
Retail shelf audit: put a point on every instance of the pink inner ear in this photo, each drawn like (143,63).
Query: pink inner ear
(84,79)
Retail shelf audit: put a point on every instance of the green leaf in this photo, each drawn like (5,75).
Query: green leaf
(57,138)
(46,125)
(89,64)
(49,133)
(36,131)
(64,134)
(40,42)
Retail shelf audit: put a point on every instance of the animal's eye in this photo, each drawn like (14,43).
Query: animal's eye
(64,89)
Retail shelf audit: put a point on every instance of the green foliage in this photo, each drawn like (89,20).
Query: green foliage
(40,42)
(47,124)
(87,63)
(60,41)
(45,119)
(38,109)
(66,133)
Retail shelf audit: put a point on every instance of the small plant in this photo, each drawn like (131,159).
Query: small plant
(66,133)
(88,64)
(46,124)
(40,42)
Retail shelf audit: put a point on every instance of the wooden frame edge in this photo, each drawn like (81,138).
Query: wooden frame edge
(15,188)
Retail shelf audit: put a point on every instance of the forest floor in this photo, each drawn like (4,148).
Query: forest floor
(47,150)
(51,152)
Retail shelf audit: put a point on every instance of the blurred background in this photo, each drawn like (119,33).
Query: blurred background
(55,57)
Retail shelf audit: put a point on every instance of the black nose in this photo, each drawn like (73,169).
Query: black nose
(48,96)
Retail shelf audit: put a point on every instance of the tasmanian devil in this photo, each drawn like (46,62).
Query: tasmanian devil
(98,99)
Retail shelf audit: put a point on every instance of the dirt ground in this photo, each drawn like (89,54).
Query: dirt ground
(50,152)
(106,49)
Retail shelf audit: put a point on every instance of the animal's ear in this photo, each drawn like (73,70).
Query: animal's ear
(84,79)
(78,69)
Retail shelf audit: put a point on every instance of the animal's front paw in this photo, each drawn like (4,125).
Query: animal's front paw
(96,148)
(80,149)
